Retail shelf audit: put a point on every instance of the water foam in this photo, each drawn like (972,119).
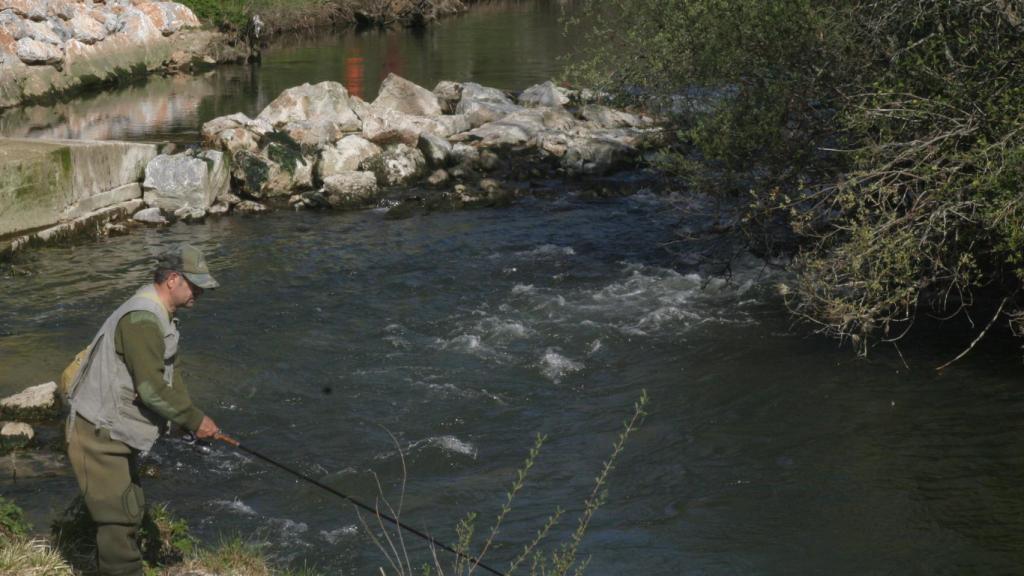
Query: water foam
(236,506)
(334,536)
(453,444)
(554,366)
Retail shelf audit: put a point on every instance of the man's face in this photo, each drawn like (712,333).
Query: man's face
(183,292)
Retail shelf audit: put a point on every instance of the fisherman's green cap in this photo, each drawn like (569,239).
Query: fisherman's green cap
(188,260)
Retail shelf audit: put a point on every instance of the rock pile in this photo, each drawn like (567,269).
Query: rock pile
(50,32)
(317,145)
(52,46)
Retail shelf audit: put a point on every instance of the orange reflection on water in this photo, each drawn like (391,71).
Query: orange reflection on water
(355,75)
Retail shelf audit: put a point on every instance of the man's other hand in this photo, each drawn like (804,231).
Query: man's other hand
(207,429)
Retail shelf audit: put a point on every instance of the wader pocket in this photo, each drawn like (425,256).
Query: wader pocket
(133,501)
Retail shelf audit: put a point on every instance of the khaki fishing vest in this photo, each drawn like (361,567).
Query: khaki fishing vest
(104,393)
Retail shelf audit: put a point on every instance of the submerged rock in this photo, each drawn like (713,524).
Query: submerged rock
(32,404)
(15,436)
(250,207)
(150,216)
(350,190)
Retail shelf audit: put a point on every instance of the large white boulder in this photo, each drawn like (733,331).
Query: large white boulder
(323,109)
(32,404)
(345,156)
(185,180)
(397,93)
(482,104)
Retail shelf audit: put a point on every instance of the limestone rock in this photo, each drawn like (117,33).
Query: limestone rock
(350,189)
(45,32)
(482,104)
(278,171)
(465,154)
(250,207)
(588,155)
(228,199)
(15,436)
(233,133)
(546,95)
(345,156)
(397,93)
(324,109)
(137,28)
(605,117)
(176,181)
(150,216)
(398,164)
(218,209)
(520,128)
(448,95)
(438,177)
(88,30)
(189,214)
(35,52)
(32,404)
(435,149)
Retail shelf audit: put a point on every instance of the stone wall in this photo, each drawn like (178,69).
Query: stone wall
(49,47)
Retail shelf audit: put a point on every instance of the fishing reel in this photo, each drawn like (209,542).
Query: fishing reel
(203,447)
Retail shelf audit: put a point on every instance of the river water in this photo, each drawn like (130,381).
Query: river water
(464,334)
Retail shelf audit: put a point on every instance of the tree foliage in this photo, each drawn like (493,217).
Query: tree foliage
(887,135)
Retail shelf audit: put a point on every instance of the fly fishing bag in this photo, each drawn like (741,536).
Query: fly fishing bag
(72,374)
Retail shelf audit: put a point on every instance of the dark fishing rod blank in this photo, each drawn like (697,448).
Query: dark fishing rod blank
(236,444)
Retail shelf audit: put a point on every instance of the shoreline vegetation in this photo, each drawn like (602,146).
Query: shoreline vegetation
(877,146)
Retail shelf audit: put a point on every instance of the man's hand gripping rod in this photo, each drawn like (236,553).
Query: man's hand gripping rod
(236,444)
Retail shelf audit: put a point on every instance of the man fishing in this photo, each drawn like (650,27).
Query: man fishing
(125,395)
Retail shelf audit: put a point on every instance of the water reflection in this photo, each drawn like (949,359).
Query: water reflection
(508,44)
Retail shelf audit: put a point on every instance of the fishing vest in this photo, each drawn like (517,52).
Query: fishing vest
(104,393)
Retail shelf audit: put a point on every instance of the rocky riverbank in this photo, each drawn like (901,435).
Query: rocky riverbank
(460,144)
(49,48)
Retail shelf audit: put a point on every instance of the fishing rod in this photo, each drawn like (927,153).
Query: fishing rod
(238,445)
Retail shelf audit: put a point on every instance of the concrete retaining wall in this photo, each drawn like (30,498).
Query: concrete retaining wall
(48,186)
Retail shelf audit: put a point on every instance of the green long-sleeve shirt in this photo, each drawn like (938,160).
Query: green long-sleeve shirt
(139,341)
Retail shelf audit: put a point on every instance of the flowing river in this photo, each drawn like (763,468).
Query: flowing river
(464,334)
